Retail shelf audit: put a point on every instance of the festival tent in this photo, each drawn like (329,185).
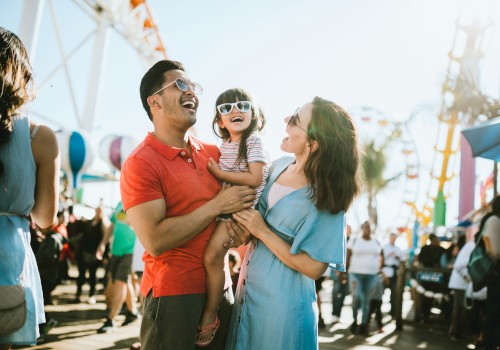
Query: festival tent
(484,139)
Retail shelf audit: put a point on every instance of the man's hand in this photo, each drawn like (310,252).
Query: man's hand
(235,198)
(238,233)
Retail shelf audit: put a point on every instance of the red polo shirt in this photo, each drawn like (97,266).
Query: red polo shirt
(153,171)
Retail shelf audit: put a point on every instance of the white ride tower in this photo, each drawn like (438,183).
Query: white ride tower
(132,19)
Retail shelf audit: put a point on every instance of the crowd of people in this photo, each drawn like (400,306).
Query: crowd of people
(372,270)
(187,202)
(84,243)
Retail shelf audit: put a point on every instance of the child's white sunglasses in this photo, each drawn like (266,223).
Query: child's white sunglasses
(242,106)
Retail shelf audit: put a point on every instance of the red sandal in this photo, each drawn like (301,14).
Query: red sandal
(201,333)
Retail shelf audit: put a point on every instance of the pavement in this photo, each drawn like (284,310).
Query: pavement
(430,336)
(78,324)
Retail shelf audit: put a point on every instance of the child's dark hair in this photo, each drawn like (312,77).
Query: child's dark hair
(257,123)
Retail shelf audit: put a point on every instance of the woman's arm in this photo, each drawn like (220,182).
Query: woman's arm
(46,154)
(253,177)
(300,262)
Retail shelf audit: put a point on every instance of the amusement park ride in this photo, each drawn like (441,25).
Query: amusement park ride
(458,92)
(461,81)
(133,20)
(379,132)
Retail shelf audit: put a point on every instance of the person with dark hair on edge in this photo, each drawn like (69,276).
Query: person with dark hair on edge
(29,185)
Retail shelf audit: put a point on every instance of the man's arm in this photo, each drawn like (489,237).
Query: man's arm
(159,234)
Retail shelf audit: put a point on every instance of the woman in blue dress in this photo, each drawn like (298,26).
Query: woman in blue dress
(299,229)
(29,180)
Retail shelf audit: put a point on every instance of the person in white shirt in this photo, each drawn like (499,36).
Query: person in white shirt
(393,255)
(459,279)
(364,263)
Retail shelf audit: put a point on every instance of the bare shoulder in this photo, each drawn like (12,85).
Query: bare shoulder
(44,145)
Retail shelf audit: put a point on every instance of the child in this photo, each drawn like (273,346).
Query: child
(243,161)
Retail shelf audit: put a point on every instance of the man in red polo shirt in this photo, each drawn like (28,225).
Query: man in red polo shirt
(172,201)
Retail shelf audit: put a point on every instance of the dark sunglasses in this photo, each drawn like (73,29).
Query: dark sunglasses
(242,106)
(294,121)
(183,86)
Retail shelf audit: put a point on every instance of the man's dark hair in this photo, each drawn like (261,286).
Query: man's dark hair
(153,79)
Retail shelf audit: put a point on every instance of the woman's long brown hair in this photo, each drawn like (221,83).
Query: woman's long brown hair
(15,77)
(333,169)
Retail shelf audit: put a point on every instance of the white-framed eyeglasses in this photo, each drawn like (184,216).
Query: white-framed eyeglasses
(183,86)
(242,106)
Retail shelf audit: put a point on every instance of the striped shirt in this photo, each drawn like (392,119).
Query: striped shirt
(255,153)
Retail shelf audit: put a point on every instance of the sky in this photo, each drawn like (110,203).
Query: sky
(384,58)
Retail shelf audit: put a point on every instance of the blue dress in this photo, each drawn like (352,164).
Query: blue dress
(275,307)
(17,197)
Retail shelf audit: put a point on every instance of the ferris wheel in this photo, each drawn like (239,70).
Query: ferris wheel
(80,33)
(131,19)
(381,133)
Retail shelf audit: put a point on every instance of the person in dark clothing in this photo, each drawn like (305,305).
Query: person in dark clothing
(340,287)
(47,258)
(86,257)
(430,257)
(66,253)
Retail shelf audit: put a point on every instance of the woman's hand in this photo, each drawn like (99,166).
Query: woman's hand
(253,221)
(238,233)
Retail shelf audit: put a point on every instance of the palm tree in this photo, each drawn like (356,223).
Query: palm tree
(374,163)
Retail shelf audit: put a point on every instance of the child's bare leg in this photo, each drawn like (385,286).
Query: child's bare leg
(214,265)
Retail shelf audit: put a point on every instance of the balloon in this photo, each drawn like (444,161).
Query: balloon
(76,155)
(114,149)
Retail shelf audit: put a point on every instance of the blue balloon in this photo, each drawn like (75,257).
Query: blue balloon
(77,151)
(76,155)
